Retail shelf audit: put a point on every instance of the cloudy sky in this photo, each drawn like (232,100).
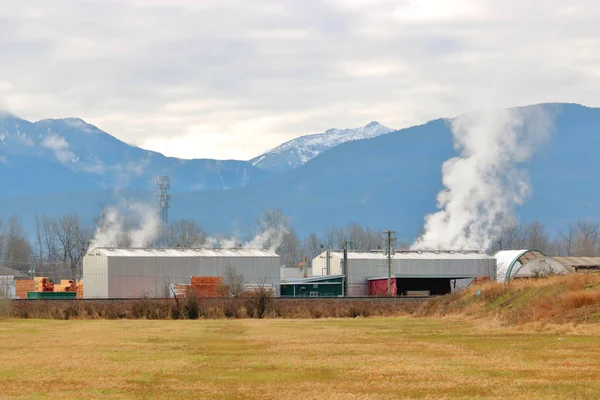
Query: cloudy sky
(233,78)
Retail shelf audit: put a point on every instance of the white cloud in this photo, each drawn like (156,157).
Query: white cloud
(60,147)
(232,78)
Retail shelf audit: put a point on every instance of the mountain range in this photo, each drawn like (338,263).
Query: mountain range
(387,179)
(73,155)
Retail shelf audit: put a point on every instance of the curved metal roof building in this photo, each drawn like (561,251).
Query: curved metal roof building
(509,261)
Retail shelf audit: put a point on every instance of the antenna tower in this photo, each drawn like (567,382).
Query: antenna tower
(163,198)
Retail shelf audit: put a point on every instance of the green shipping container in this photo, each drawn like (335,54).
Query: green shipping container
(316,286)
(51,295)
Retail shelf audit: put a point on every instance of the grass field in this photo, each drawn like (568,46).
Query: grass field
(376,358)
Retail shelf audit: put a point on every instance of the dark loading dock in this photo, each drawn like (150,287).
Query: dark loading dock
(435,286)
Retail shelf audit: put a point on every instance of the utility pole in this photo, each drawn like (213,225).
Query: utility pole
(389,241)
(345,271)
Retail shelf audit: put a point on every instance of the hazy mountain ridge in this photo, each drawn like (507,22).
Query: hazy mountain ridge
(97,156)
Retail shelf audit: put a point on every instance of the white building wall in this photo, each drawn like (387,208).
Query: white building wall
(319,264)
(125,276)
(8,287)
(95,276)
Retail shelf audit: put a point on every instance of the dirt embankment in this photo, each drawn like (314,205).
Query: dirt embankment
(558,300)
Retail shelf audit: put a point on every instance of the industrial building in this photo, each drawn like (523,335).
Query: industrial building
(580,264)
(138,272)
(423,272)
(516,264)
(509,261)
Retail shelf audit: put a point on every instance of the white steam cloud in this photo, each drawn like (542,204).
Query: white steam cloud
(114,231)
(270,239)
(484,184)
(138,225)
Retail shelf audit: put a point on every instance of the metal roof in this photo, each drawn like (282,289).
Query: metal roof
(508,261)
(579,261)
(5,271)
(289,281)
(180,252)
(414,255)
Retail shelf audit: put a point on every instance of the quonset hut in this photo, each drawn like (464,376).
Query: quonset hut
(138,272)
(426,272)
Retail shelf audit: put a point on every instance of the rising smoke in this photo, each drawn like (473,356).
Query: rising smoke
(114,228)
(137,225)
(485,183)
(270,239)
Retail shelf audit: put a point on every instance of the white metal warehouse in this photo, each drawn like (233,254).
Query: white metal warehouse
(126,273)
(417,270)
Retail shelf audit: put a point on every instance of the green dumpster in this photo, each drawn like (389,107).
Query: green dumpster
(52,295)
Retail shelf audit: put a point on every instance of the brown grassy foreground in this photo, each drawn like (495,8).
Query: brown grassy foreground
(251,307)
(572,299)
(368,358)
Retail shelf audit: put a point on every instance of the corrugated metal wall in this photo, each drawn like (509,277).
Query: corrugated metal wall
(123,277)
(95,276)
(319,265)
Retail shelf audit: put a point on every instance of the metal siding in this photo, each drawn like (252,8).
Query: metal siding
(150,276)
(319,264)
(95,276)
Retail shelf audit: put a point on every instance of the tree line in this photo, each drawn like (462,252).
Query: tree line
(58,244)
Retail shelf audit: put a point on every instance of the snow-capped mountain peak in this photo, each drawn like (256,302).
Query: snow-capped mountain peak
(299,151)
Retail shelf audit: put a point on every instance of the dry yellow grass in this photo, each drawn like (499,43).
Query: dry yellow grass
(571,299)
(363,358)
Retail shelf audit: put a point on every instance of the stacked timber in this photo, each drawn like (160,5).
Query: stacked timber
(207,286)
(79,289)
(66,285)
(24,286)
(43,284)
(180,291)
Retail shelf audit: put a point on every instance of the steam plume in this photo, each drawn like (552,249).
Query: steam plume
(484,184)
(271,239)
(113,229)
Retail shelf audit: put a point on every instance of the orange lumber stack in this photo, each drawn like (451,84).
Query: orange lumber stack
(65,285)
(24,286)
(79,288)
(43,284)
(207,286)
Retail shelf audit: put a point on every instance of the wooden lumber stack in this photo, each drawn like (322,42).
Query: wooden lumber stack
(24,286)
(66,285)
(43,284)
(79,289)
(180,291)
(207,286)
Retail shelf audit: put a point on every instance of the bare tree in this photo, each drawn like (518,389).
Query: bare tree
(233,282)
(62,243)
(311,246)
(564,242)
(17,251)
(290,256)
(587,239)
(184,233)
(536,237)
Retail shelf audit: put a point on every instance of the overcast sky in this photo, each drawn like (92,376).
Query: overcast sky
(233,78)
